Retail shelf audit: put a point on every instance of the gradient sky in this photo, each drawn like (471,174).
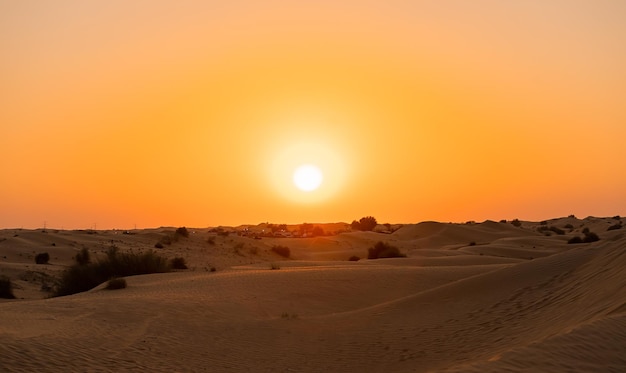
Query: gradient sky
(155,113)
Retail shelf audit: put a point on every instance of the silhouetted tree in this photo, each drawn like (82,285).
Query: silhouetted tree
(317,231)
(356,226)
(368,223)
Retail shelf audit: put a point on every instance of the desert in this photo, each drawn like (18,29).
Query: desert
(464,297)
(312,186)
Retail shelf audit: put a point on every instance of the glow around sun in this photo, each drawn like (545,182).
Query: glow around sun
(307,172)
(307,177)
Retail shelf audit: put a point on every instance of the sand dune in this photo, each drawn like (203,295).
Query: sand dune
(449,306)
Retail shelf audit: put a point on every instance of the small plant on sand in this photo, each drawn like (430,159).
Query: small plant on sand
(589,237)
(516,223)
(116,283)
(211,240)
(289,316)
(281,250)
(614,227)
(158,245)
(178,263)
(557,230)
(383,250)
(575,240)
(83,257)
(274,266)
(354,258)
(6,288)
(182,231)
(42,258)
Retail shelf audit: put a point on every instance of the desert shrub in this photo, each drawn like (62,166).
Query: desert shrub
(6,288)
(614,227)
(83,257)
(116,283)
(211,240)
(42,258)
(617,217)
(473,243)
(274,266)
(79,278)
(368,223)
(281,250)
(575,240)
(568,226)
(158,245)
(354,258)
(516,223)
(591,237)
(503,221)
(288,316)
(586,230)
(178,263)
(557,230)
(383,250)
(182,231)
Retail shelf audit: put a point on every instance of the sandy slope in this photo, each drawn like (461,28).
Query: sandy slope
(449,306)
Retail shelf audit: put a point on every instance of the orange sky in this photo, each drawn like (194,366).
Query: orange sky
(157,113)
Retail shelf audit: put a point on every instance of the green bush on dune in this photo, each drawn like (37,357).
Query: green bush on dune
(79,278)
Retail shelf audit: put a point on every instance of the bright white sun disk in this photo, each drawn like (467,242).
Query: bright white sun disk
(307,177)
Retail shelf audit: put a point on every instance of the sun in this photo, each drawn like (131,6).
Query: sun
(306,172)
(307,177)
